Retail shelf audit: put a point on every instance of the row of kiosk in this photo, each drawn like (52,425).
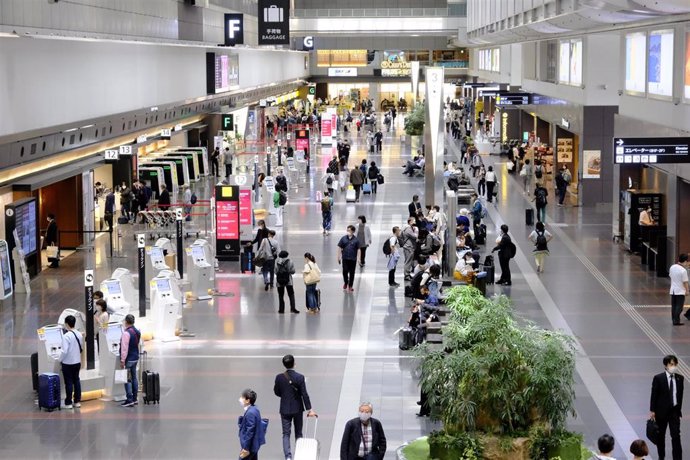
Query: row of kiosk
(166,291)
(174,167)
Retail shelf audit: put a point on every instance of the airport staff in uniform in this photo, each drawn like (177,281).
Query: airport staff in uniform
(666,404)
(291,388)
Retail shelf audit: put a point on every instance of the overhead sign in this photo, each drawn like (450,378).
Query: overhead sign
(178,127)
(308,43)
(341,72)
(166,133)
(142,139)
(234,29)
(651,150)
(112,154)
(513,99)
(125,150)
(274,22)
(312,90)
(227,122)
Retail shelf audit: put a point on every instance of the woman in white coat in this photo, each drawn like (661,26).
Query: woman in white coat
(364,237)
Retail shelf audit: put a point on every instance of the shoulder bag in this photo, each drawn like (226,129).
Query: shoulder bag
(313,276)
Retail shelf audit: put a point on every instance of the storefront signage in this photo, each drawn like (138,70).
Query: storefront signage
(302,141)
(513,99)
(274,22)
(341,72)
(565,123)
(651,150)
(234,29)
(396,69)
(227,221)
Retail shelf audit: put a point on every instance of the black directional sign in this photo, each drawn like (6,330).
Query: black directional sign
(650,150)
(513,99)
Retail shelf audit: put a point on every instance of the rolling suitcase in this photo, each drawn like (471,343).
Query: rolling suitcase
(308,448)
(122,220)
(405,338)
(247,262)
(318,298)
(152,388)
(49,391)
(529,216)
(366,189)
(34,371)
(490,269)
(350,195)
(480,282)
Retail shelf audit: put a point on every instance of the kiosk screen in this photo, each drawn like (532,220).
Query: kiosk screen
(113,287)
(198,253)
(54,335)
(163,285)
(156,254)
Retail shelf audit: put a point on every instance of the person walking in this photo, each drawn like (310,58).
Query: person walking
(506,251)
(284,269)
(679,288)
(373,174)
(327,212)
(109,210)
(348,251)
(540,194)
(250,427)
(394,256)
(279,202)
(665,406)
(187,203)
(312,277)
(363,437)
(356,179)
(291,388)
(268,250)
(562,181)
(72,347)
(481,184)
(490,184)
(526,174)
(227,159)
(129,357)
(125,201)
(51,240)
(409,245)
(214,161)
(364,237)
(540,237)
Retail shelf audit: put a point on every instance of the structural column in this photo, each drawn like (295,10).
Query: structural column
(434,139)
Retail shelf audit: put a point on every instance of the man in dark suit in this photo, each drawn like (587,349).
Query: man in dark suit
(363,438)
(505,248)
(164,199)
(291,388)
(414,207)
(665,405)
(251,430)
(51,239)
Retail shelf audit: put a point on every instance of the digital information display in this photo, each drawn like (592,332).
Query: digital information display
(635,61)
(227,222)
(222,72)
(245,207)
(5,270)
(198,253)
(25,223)
(650,150)
(513,99)
(302,141)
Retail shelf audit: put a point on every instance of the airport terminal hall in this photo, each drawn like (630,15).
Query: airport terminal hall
(351,230)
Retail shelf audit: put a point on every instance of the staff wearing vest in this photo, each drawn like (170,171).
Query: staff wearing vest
(129,357)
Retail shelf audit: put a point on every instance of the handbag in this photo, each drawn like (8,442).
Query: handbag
(380,179)
(652,431)
(259,259)
(313,276)
(510,165)
(52,252)
(121,375)
(523,172)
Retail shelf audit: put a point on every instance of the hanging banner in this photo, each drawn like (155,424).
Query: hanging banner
(274,22)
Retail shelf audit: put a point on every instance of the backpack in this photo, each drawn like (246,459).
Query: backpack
(282,198)
(512,250)
(541,196)
(282,274)
(387,247)
(453,183)
(538,172)
(541,242)
(193,199)
(329,180)
(325,204)
(416,283)
(566,176)
(281,184)
(435,243)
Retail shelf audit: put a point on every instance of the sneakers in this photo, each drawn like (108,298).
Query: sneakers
(127,404)
(77,405)
(344,287)
(66,406)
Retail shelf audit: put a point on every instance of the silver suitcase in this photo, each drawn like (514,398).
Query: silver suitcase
(308,448)
(350,195)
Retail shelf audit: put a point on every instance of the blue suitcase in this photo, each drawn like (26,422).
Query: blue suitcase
(49,392)
(366,189)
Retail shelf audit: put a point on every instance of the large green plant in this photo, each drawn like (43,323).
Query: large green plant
(496,375)
(414,122)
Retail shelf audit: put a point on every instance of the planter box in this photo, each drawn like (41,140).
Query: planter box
(569,449)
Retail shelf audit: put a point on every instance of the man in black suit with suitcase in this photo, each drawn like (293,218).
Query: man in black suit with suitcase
(665,406)
(291,388)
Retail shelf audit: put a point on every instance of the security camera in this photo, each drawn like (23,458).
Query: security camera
(676,101)
(620,92)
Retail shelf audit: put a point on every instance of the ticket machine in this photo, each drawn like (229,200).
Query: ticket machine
(210,254)
(109,353)
(49,348)
(166,308)
(200,272)
(114,296)
(80,323)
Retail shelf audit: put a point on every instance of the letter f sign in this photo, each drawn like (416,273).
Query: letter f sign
(234,29)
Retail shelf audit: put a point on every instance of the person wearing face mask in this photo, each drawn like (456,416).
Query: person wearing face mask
(363,438)
(348,252)
(666,405)
(251,431)
(51,239)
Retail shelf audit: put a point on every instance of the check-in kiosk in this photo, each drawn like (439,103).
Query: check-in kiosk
(184,166)
(208,251)
(114,296)
(194,162)
(200,272)
(49,348)
(177,165)
(109,353)
(130,293)
(202,158)
(169,173)
(190,161)
(153,177)
(166,308)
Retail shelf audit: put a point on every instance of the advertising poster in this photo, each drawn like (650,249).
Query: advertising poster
(576,62)
(660,63)
(564,63)
(302,141)
(564,150)
(334,123)
(635,45)
(592,164)
(326,136)
(274,22)
(654,60)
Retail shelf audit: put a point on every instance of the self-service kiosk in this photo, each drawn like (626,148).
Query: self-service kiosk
(49,348)
(166,308)
(187,165)
(193,159)
(130,292)
(153,177)
(169,173)
(177,169)
(109,353)
(114,296)
(202,158)
(200,272)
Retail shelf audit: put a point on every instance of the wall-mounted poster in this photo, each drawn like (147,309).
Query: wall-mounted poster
(660,63)
(576,62)
(635,62)
(564,150)
(592,164)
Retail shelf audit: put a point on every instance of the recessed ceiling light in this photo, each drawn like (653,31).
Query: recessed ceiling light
(414,35)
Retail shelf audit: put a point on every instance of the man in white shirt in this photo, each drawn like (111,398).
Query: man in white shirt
(606,444)
(646,218)
(72,345)
(679,288)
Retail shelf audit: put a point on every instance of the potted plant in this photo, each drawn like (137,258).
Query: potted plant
(414,126)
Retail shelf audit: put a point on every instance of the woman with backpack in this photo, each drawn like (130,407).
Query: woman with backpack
(267,256)
(312,276)
(540,194)
(327,212)
(284,271)
(540,237)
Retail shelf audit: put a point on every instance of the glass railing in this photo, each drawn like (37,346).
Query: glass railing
(454,9)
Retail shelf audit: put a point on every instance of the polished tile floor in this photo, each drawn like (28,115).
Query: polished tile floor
(349,352)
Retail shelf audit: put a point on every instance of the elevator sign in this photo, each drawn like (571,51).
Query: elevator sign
(651,150)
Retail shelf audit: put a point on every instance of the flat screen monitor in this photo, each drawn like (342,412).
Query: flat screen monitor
(114,332)
(198,252)
(54,335)
(25,223)
(163,285)
(113,287)
(156,254)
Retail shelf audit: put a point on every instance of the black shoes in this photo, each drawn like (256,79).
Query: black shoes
(294,311)
(678,324)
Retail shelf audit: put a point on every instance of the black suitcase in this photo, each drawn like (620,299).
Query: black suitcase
(480,281)
(318,298)
(529,216)
(152,388)
(405,338)
(49,392)
(122,220)
(408,291)
(34,371)
(247,262)
(480,234)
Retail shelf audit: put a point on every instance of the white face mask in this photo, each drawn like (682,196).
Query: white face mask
(672,369)
(364,416)
(241,401)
